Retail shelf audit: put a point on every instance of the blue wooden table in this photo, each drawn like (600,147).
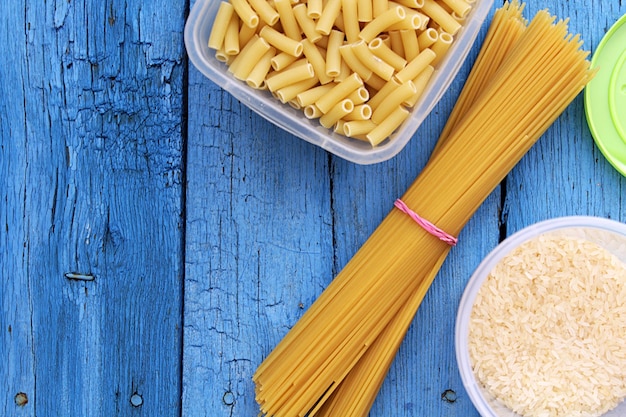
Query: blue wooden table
(157,238)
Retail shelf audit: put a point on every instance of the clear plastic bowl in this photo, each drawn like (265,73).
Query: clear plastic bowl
(198,27)
(609,234)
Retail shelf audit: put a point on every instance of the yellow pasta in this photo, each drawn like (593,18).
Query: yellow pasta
(382,22)
(392,101)
(287,19)
(245,34)
(350,58)
(441,47)
(382,51)
(358,127)
(336,112)
(348,337)
(333,56)
(222,56)
(382,93)
(441,16)
(427,38)
(365,12)
(306,23)
(245,13)
(339,92)
(416,65)
(278,80)
(395,41)
(420,83)
(313,55)
(359,50)
(359,96)
(231,39)
(375,82)
(222,19)
(414,19)
(241,60)
(409,43)
(311,95)
(329,15)
(256,77)
(343,344)
(248,60)
(266,12)
(360,112)
(387,126)
(414,4)
(339,23)
(379,7)
(314,9)
(312,112)
(282,61)
(371,61)
(281,42)
(350,20)
(290,92)
(459,7)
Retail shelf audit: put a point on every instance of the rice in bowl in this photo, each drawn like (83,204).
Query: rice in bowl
(547,331)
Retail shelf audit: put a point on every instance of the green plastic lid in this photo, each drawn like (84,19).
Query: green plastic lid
(605,96)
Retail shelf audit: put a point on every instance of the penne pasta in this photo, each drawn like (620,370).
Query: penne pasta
(427,38)
(222,20)
(256,77)
(391,123)
(389,104)
(266,12)
(339,92)
(416,65)
(350,58)
(278,80)
(409,43)
(281,42)
(441,16)
(381,23)
(365,10)
(245,13)
(339,110)
(306,23)
(287,19)
(249,57)
(371,61)
(231,39)
(333,56)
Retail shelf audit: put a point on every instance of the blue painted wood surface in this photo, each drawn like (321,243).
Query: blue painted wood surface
(91,168)
(158,238)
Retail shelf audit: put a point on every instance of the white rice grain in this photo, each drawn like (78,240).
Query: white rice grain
(548,329)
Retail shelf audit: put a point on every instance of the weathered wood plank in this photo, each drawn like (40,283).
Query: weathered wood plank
(258,249)
(565,173)
(91,213)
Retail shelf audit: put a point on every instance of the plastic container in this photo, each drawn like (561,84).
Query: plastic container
(197,31)
(609,234)
(605,99)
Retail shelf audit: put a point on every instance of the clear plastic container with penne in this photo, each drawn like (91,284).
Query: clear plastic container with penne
(354,77)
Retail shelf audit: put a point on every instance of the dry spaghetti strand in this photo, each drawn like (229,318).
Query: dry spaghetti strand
(359,320)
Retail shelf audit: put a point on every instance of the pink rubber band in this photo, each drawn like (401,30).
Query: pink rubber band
(426,225)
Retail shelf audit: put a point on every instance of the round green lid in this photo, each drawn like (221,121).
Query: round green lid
(605,96)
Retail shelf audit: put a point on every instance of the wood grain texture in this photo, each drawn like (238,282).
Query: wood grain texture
(91,212)
(251,271)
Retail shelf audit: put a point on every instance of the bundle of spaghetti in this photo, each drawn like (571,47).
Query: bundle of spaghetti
(358,390)
(537,79)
